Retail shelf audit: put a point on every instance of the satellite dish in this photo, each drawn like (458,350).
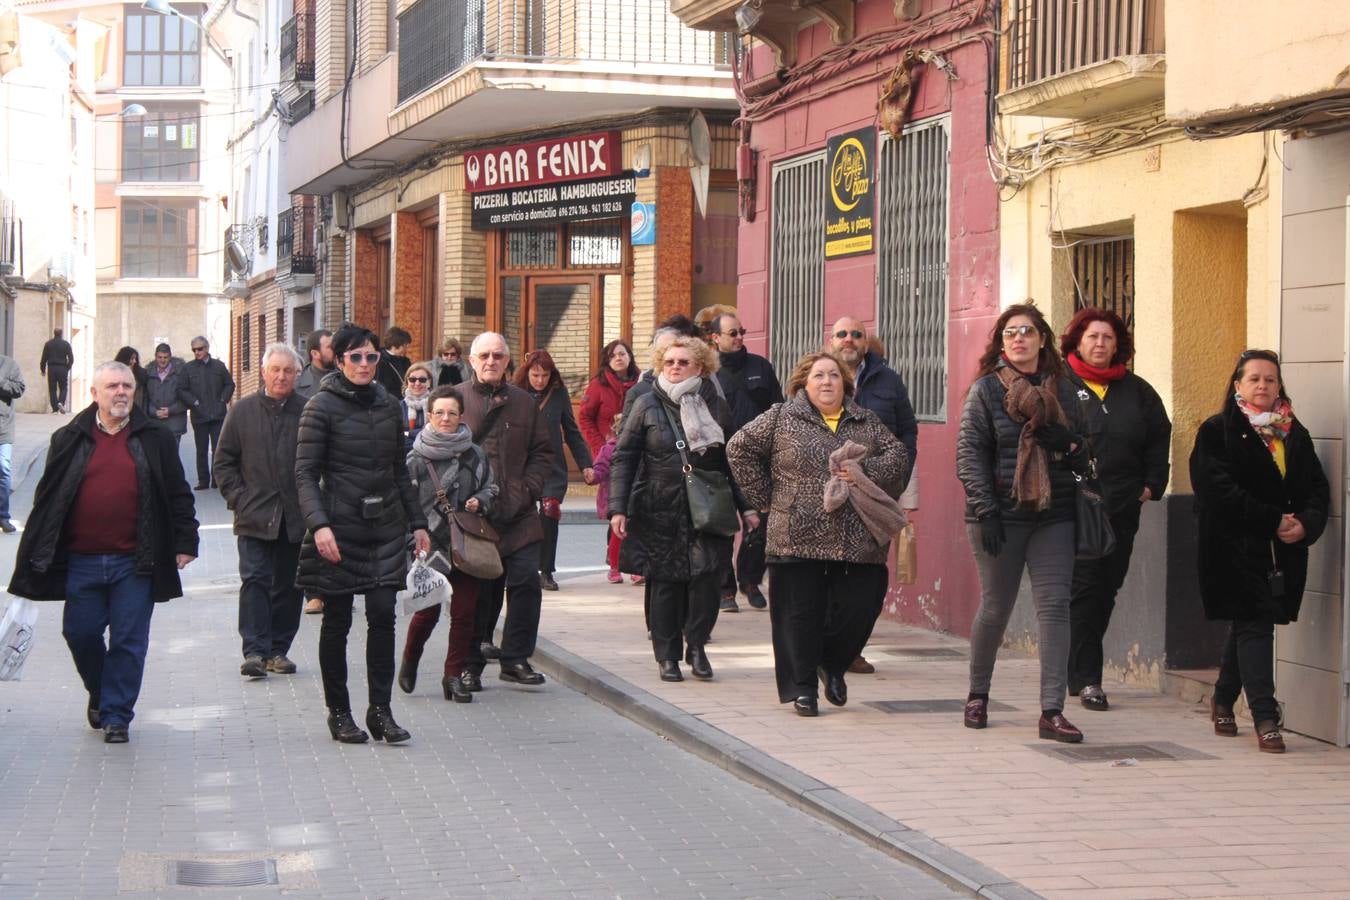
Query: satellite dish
(282,107)
(238,257)
(700,156)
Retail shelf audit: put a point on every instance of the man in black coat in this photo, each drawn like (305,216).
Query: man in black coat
(112,523)
(209,388)
(319,345)
(57,358)
(255,469)
(394,361)
(751,387)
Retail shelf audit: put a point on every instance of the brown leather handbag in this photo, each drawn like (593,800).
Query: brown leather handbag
(473,542)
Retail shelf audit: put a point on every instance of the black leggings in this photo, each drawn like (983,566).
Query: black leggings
(337,622)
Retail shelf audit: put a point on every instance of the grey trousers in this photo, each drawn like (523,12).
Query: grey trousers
(1046,552)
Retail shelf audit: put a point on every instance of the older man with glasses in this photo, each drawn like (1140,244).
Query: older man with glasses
(208,388)
(506,423)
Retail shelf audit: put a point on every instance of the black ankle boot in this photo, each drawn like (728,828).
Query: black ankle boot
(380,721)
(454,689)
(407,676)
(699,666)
(344,728)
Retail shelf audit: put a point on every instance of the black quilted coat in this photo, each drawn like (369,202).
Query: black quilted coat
(646,483)
(1239,500)
(986,455)
(350,447)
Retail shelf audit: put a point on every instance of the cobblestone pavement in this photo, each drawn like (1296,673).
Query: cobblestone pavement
(524,793)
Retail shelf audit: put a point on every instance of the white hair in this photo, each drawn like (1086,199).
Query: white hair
(489,336)
(119,368)
(284,349)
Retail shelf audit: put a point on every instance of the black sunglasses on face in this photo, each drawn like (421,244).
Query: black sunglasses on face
(737,332)
(855,334)
(419,380)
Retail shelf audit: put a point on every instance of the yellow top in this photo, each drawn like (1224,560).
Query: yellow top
(1277,450)
(1097,388)
(833,420)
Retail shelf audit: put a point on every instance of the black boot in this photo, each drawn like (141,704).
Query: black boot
(343,727)
(407,676)
(380,721)
(699,666)
(455,690)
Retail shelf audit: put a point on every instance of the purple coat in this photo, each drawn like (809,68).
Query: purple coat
(601,467)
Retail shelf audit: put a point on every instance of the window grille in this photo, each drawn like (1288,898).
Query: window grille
(797,269)
(262,331)
(912,263)
(596,243)
(1103,276)
(532,249)
(246,338)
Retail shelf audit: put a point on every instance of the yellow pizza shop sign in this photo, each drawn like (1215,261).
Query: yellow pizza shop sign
(848,205)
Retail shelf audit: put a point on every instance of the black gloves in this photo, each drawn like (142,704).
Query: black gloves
(991,534)
(1055,437)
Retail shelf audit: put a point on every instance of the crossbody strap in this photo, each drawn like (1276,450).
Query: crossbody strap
(447,509)
(680,445)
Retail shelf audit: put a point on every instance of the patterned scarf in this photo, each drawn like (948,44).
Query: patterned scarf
(1033,405)
(1272,424)
(701,430)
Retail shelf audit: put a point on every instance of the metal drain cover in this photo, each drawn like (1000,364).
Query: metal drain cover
(1087,753)
(234,873)
(930,706)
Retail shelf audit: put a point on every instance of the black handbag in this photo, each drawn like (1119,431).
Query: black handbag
(711,506)
(1094,537)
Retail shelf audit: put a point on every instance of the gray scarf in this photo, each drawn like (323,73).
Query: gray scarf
(701,430)
(418,403)
(432,444)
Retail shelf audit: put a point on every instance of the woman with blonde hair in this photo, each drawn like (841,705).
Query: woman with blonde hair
(417,384)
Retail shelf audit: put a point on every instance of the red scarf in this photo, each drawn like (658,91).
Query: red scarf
(1086,370)
(618,382)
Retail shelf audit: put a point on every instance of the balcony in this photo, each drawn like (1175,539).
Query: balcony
(777,22)
(297,49)
(1083,58)
(11,248)
(296,257)
(473,69)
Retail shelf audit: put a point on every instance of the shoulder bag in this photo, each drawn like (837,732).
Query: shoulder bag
(473,542)
(1094,537)
(711,506)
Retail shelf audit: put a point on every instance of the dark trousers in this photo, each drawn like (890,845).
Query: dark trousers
(269,602)
(548,547)
(1248,663)
(337,622)
(58,379)
(1092,597)
(749,570)
(463,609)
(206,433)
(520,585)
(804,636)
(104,593)
(678,609)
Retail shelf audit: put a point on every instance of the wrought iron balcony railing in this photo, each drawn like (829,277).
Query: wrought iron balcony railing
(1053,37)
(295,237)
(297,48)
(438,37)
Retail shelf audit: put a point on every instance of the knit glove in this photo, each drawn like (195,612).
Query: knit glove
(1055,437)
(991,534)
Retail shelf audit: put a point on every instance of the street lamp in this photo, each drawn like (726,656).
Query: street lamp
(131,111)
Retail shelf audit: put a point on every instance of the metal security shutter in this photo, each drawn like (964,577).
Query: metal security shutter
(912,263)
(797,274)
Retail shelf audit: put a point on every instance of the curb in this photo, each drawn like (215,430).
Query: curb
(808,794)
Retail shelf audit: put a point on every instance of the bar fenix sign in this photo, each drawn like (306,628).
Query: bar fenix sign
(544,162)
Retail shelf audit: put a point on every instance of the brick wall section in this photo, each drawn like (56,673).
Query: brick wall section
(463,261)
(335,298)
(330,35)
(370,34)
(365,307)
(409,304)
(675,241)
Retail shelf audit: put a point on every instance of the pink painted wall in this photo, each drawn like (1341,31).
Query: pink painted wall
(947,592)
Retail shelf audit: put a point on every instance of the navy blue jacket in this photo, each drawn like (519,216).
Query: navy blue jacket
(881,390)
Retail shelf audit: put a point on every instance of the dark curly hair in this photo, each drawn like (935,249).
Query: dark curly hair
(1048,363)
(1073,334)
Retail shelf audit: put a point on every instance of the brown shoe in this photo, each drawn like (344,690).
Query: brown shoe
(1058,728)
(314,606)
(1225,723)
(861,666)
(977,713)
(1268,737)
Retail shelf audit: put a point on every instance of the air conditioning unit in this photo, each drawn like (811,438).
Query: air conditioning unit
(61,269)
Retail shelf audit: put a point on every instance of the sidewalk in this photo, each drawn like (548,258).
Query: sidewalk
(32,435)
(1153,804)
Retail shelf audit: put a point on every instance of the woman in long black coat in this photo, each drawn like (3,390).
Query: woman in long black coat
(359,505)
(1262,500)
(649,506)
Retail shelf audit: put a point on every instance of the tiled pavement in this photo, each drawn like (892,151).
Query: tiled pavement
(1218,818)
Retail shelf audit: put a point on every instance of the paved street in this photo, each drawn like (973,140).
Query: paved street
(524,793)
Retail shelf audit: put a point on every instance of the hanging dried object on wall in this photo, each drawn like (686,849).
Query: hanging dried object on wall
(897,93)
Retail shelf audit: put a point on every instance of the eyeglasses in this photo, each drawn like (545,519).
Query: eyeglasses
(445,413)
(1019,331)
(855,334)
(496,354)
(356,357)
(676,363)
(419,380)
(737,332)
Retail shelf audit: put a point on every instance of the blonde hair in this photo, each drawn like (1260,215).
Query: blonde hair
(700,350)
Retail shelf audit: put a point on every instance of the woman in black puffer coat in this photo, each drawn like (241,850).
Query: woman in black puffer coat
(649,506)
(359,505)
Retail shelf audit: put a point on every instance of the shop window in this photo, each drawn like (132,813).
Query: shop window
(159,238)
(1103,275)
(797,269)
(163,50)
(162,145)
(912,263)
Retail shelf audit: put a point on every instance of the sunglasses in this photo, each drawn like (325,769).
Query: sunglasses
(356,358)
(680,363)
(419,380)
(1019,331)
(737,332)
(449,354)
(494,355)
(198,349)
(855,334)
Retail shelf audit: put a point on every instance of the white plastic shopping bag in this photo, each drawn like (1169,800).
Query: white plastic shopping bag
(16,637)
(426,587)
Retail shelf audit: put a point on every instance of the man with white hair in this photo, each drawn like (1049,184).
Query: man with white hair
(112,523)
(255,471)
(506,423)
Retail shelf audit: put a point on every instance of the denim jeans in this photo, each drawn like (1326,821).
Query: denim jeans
(103,592)
(269,602)
(6,480)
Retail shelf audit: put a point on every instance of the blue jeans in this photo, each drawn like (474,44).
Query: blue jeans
(6,483)
(103,592)
(269,601)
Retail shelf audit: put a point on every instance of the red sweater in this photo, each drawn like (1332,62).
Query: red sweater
(103,517)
